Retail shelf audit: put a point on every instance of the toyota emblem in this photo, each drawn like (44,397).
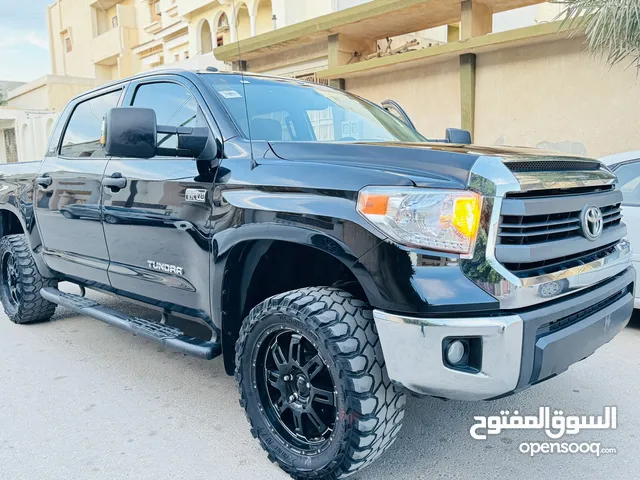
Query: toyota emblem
(591,222)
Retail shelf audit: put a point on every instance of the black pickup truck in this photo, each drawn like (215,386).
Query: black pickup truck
(334,257)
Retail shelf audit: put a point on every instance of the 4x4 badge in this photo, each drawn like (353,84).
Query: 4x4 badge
(195,195)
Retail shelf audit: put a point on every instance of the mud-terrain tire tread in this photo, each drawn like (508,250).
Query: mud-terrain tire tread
(346,326)
(32,308)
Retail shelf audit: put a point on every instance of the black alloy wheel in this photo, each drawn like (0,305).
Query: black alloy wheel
(296,386)
(313,382)
(10,280)
(21,282)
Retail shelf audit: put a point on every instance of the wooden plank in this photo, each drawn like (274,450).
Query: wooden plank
(476,19)
(373,20)
(485,43)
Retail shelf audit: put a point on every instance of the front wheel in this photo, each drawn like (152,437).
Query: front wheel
(20,282)
(313,382)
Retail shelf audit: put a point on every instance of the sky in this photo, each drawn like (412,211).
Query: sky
(24,40)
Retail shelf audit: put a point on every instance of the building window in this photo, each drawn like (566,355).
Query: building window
(220,41)
(114,22)
(223,23)
(67,44)
(156,13)
(186,55)
(176,57)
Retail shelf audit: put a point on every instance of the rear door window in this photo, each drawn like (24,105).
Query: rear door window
(82,135)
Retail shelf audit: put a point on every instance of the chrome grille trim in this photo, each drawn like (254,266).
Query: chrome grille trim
(491,177)
(532,229)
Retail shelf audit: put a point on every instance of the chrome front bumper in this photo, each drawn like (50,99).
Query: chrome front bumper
(412,350)
(516,350)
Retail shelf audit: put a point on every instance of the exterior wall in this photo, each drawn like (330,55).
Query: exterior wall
(430,96)
(96,43)
(296,11)
(244,22)
(554,95)
(32,129)
(264,23)
(51,92)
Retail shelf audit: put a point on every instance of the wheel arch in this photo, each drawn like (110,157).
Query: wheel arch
(22,221)
(311,259)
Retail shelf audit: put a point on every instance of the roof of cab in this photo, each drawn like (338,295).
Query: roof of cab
(183,73)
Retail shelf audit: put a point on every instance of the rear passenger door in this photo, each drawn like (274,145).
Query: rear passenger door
(68,191)
(158,239)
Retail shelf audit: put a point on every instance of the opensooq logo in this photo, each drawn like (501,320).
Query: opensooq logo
(555,426)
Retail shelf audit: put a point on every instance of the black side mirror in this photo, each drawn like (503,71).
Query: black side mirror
(456,135)
(132,132)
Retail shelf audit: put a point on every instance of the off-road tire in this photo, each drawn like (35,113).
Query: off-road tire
(371,408)
(32,307)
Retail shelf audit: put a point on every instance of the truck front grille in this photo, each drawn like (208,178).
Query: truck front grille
(543,234)
(526,230)
(552,265)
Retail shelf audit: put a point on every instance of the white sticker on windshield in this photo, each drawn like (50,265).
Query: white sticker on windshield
(230,94)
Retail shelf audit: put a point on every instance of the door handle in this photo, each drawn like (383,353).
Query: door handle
(115,182)
(44,181)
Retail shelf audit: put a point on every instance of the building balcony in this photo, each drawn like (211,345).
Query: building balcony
(104,4)
(107,47)
(187,7)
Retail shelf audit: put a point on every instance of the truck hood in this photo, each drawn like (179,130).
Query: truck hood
(425,164)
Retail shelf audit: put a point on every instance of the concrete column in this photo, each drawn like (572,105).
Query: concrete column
(252,22)
(476,19)
(233,27)
(468,91)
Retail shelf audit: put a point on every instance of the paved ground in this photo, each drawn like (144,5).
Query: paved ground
(81,400)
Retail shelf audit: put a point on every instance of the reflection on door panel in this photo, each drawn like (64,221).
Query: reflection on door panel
(69,210)
(159,243)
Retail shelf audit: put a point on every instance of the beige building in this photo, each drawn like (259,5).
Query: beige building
(496,67)
(112,39)
(531,85)
(24,133)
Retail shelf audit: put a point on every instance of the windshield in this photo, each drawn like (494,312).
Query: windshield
(282,109)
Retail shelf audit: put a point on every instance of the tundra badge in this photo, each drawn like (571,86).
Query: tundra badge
(165,267)
(195,195)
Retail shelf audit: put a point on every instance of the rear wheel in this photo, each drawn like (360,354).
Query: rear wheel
(20,282)
(312,380)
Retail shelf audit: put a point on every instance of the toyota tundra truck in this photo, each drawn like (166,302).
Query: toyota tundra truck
(333,257)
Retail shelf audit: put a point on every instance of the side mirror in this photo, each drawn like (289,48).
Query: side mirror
(132,132)
(456,135)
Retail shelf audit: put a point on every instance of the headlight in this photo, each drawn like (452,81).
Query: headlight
(444,220)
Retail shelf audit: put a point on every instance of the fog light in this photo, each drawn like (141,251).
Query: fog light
(456,352)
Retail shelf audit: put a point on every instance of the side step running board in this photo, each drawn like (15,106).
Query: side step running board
(167,335)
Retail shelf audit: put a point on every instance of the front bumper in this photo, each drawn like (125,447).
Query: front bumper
(517,350)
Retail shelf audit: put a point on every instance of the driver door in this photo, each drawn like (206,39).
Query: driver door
(157,225)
